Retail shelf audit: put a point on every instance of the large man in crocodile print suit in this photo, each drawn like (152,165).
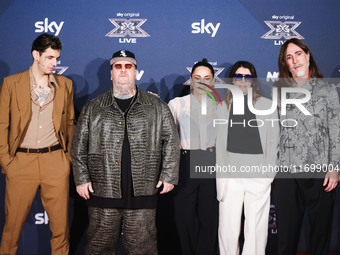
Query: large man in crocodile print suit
(125,148)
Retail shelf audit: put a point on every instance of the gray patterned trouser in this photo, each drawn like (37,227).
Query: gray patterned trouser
(139,231)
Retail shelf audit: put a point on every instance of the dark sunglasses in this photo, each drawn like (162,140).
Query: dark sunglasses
(239,76)
(120,66)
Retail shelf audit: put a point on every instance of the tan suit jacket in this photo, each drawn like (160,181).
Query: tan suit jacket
(15,114)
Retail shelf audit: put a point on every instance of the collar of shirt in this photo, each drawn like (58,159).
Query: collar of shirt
(52,84)
(52,80)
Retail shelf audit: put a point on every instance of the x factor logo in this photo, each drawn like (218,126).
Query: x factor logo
(60,69)
(124,27)
(217,70)
(285,29)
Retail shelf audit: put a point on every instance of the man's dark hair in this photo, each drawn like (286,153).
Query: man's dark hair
(284,72)
(44,41)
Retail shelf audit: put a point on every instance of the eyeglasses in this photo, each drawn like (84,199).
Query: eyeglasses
(120,66)
(239,76)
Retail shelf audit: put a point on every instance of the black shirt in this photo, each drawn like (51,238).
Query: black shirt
(242,137)
(128,201)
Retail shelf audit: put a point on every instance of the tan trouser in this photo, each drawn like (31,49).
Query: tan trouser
(24,175)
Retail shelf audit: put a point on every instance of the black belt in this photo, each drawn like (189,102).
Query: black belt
(41,150)
(210,149)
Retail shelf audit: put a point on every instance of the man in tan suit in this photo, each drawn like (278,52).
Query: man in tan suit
(36,128)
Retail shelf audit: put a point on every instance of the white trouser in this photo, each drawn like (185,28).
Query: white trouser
(254,195)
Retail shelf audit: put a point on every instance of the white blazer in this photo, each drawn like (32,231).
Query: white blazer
(269,136)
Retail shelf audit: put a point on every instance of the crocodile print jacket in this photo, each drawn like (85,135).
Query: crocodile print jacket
(97,145)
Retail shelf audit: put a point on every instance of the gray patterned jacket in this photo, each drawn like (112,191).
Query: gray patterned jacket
(97,145)
(316,138)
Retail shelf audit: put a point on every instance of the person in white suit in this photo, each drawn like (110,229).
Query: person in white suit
(244,145)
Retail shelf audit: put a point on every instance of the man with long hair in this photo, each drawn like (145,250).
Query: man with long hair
(310,150)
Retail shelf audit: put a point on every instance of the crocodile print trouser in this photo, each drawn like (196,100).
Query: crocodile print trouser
(138,229)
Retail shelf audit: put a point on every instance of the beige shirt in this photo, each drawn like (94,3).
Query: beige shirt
(40,132)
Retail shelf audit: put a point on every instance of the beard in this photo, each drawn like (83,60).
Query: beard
(301,73)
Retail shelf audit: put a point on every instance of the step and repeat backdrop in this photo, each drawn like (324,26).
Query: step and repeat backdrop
(167,37)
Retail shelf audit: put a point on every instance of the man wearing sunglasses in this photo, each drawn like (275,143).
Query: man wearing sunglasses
(125,148)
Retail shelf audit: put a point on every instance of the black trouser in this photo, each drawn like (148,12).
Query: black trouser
(196,206)
(294,197)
